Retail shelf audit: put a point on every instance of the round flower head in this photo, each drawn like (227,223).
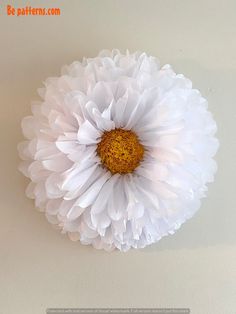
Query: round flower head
(119,150)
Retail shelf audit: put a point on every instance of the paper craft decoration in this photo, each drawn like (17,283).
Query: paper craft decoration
(119,150)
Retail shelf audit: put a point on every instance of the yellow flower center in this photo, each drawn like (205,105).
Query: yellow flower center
(120,151)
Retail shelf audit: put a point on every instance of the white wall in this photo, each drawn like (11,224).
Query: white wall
(196,267)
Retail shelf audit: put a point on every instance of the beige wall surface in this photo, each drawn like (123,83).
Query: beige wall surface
(196,267)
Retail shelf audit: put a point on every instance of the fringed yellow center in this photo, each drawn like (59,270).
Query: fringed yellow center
(120,151)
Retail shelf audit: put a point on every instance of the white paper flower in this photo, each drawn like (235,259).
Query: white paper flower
(119,151)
